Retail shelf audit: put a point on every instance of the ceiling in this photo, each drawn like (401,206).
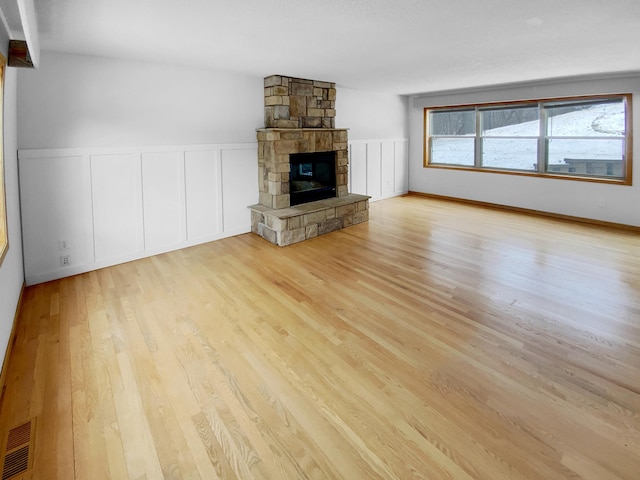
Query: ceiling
(394,46)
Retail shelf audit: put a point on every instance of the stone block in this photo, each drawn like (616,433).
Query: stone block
(275,188)
(256,219)
(298,105)
(273,177)
(327,122)
(280,90)
(329,226)
(277,224)
(342,191)
(291,236)
(346,210)
(340,146)
(342,169)
(332,94)
(295,135)
(280,112)
(273,136)
(267,233)
(311,122)
(295,222)
(361,217)
(311,231)
(347,220)
(326,104)
(281,201)
(315,217)
(266,199)
(317,83)
(315,112)
(281,157)
(331,213)
(310,140)
(268,117)
(272,80)
(299,88)
(341,179)
(286,147)
(330,112)
(273,100)
(282,123)
(318,92)
(363,206)
(281,168)
(323,142)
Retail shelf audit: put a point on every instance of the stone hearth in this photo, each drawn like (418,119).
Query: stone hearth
(299,118)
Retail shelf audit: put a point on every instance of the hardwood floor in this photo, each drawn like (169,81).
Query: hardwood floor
(437,341)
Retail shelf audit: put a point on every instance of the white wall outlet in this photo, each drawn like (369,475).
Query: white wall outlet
(64,245)
(602,203)
(65,260)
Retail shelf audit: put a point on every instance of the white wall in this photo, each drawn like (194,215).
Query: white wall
(83,101)
(370,115)
(574,198)
(11,271)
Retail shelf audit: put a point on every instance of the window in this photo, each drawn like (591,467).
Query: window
(585,138)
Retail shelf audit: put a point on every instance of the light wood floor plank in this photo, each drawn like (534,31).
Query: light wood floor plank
(437,341)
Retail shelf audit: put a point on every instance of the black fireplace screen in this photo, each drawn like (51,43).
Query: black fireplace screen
(312,177)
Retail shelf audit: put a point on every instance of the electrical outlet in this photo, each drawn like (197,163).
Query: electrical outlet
(64,245)
(602,203)
(65,260)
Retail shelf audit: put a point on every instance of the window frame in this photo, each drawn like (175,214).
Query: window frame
(542,138)
(4,232)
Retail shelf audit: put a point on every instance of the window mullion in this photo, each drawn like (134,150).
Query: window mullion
(478,142)
(542,139)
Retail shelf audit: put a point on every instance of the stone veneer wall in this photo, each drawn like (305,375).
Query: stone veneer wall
(298,103)
(300,118)
(274,147)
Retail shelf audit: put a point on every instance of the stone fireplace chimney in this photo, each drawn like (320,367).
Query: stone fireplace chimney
(300,125)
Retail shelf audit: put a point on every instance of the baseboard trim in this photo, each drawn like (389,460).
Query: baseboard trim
(12,340)
(528,211)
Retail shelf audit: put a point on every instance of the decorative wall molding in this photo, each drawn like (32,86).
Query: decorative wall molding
(104,206)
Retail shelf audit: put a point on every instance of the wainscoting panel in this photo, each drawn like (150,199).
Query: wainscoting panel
(203,194)
(379,168)
(163,193)
(97,207)
(55,200)
(240,187)
(116,188)
(358,168)
(112,205)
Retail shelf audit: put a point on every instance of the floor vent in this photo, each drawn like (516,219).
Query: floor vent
(18,454)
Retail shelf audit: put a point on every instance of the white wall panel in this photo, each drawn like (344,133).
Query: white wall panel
(117,205)
(239,187)
(56,205)
(163,199)
(358,168)
(203,194)
(374,174)
(388,168)
(401,174)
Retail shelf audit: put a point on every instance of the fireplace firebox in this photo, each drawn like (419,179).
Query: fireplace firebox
(312,176)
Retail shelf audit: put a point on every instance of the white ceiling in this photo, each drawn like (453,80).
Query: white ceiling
(395,46)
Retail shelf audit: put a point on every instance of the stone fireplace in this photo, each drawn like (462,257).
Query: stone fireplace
(303,165)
